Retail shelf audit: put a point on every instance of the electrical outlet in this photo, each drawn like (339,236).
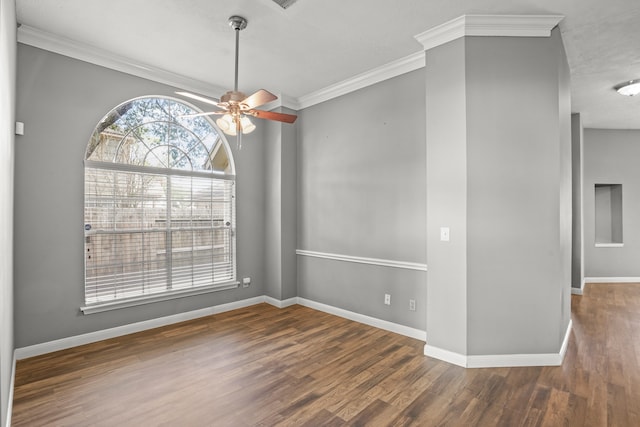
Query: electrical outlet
(387,299)
(412,305)
(246,282)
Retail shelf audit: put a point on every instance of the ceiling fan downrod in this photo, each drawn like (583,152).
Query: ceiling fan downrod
(237,23)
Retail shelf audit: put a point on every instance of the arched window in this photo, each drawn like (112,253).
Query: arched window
(159,205)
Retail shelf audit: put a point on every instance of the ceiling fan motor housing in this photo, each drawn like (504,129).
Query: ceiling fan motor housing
(232,97)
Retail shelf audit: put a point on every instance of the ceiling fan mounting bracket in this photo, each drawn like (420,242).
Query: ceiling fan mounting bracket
(237,22)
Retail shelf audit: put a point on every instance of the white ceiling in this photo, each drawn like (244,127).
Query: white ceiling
(315,44)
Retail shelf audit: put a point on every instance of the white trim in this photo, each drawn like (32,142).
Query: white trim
(502,360)
(445,355)
(392,69)
(77,50)
(442,34)
(612,280)
(148,299)
(609,245)
(577,291)
(489,25)
(367,320)
(91,337)
(565,341)
(513,360)
(280,303)
(74,341)
(363,260)
(12,385)
(93,55)
(470,25)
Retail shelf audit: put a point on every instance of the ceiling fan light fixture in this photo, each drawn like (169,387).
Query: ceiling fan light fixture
(227,125)
(630,88)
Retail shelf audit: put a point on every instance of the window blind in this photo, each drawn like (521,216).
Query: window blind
(149,233)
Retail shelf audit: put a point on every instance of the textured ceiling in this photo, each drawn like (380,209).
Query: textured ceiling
(314,44)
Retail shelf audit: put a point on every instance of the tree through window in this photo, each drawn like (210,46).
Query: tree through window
(159,210)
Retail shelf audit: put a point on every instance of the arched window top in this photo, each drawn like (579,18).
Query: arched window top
(160,132)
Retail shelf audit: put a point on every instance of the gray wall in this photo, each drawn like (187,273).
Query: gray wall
(60,101)
(273,208)
(499,175)
(577,170)
(280,212)
(611,157)
(446,123)
(603,217)
(565,171)
(361,171)
(519,221)
(289,213)
(616,214)
(7,139)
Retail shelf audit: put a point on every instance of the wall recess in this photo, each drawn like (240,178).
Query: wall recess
(608,215)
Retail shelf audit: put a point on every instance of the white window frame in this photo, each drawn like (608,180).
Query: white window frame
(232,283)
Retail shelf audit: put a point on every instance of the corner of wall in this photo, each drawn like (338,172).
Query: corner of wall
(8,52)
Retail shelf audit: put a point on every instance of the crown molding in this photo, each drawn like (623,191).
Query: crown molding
(466,25)
(93,55)
(489,25)
(283,101)
(384,72)
(84,52)
(289,102)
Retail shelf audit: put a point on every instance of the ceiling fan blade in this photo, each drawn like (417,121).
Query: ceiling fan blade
(259,98)
(206,113)
(199,98)
(272,115)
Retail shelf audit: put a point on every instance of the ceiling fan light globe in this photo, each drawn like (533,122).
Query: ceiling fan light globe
(246,125)
(226,125)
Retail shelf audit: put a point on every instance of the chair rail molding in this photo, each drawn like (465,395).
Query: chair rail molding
(363,260)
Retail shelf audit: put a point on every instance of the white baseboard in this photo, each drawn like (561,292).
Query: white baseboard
(445,355)
(473,361)
(91,337)
(69,342)
(577,291)
(280,303)
(367,320)
(565,341)
(12,383)
(612,280)
(501,360)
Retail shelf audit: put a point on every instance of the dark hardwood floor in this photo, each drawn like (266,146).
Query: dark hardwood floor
(262,366)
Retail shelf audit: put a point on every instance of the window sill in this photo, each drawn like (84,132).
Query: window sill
(149,299)
(609,245)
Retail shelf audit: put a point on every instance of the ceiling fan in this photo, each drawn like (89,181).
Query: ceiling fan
(235,106)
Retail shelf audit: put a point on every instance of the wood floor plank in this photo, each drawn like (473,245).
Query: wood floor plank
(263,366)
